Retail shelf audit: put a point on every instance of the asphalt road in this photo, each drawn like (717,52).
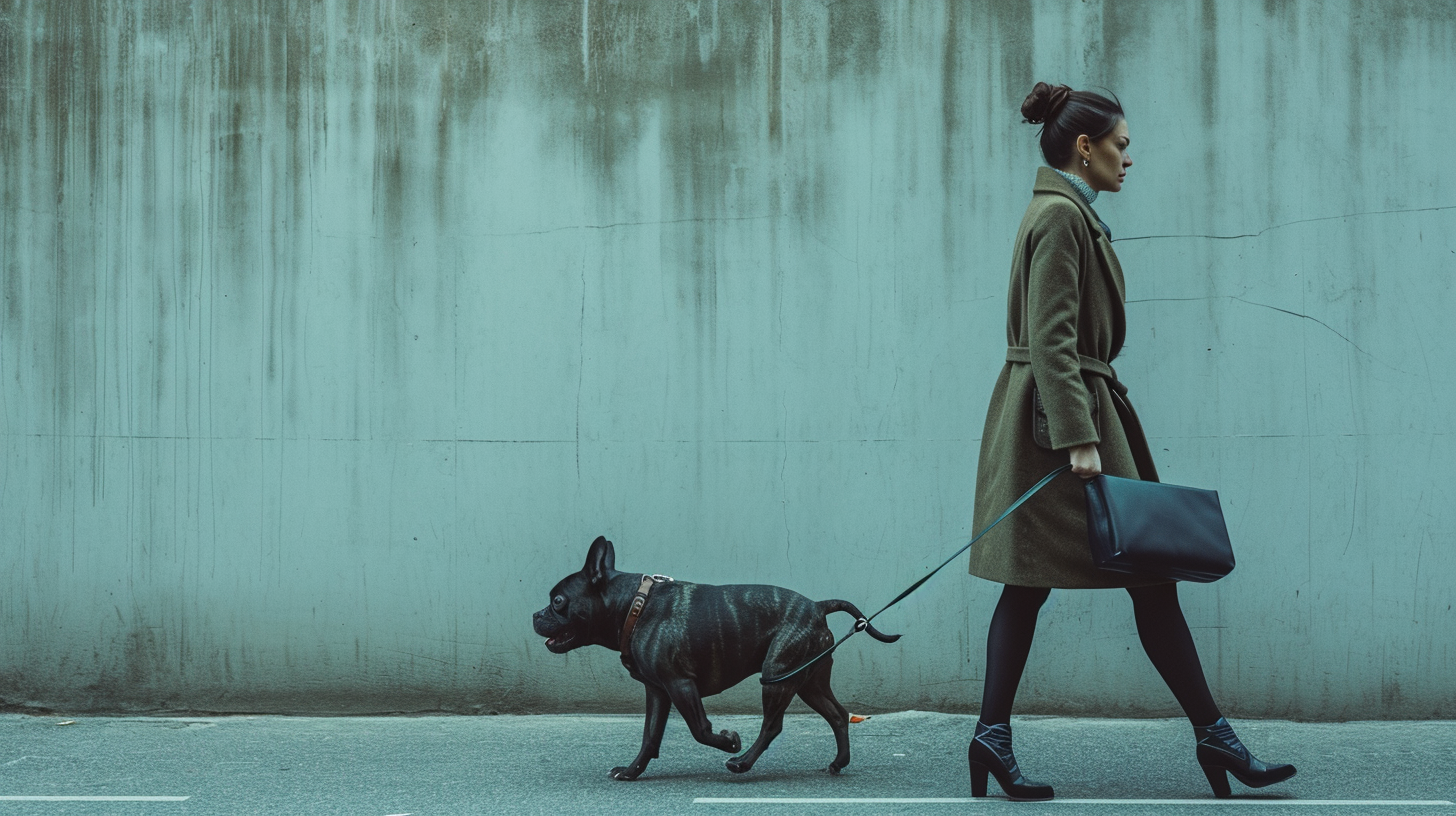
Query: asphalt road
(380,766)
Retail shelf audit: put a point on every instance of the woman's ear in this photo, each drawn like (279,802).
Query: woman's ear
(1084,147)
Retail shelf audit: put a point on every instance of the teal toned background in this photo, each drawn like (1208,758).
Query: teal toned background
(333,332)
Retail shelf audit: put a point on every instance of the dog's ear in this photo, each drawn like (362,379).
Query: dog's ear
(601,561)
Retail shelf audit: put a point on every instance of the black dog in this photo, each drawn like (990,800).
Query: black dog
(690,641)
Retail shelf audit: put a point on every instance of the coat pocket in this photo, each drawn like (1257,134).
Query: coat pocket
(1041,432)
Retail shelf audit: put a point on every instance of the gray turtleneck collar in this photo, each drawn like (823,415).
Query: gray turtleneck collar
(1089,195)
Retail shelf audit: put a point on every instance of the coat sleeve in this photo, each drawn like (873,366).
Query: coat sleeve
(1053,306)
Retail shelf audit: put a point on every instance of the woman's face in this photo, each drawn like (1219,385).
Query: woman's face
(1107,159)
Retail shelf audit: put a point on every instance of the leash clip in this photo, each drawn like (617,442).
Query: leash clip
(860,624)
(660,579)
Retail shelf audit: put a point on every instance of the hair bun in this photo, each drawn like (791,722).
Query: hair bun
(1044,103)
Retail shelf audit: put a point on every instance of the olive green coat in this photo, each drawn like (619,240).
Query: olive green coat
(1064,324)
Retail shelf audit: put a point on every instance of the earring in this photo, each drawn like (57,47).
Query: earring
(1084,163)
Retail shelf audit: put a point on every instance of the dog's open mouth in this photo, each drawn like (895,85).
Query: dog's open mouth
(560,643)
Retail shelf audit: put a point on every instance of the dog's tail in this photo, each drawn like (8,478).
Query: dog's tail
(836,605)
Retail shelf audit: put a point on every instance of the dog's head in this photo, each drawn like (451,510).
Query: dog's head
(578,614)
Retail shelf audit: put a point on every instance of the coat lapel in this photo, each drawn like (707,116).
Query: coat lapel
(1050,181)
(1111,267)
(1113,270)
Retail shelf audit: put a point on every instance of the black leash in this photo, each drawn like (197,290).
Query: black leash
(859,625)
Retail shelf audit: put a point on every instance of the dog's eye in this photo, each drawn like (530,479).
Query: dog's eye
(558,604)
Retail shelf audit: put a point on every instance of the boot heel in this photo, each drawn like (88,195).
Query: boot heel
(978,781)
(990,754)
(1220,753)
(1218,780)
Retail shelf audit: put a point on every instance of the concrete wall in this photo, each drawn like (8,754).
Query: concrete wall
(334,332)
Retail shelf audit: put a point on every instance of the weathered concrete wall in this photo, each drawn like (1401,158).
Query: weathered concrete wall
(333,332)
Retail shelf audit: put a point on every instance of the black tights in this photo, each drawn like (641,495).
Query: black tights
(1161,628)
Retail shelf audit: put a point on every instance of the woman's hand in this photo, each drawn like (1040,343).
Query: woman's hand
(1085,460)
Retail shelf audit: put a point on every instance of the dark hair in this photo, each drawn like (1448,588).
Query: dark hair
(1065,114)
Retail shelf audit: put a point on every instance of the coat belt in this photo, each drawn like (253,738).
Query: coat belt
(1091,365)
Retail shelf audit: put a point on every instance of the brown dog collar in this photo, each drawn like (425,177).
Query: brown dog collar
(635,610)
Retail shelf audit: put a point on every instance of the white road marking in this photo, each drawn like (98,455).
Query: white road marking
(94,798)
(788,800)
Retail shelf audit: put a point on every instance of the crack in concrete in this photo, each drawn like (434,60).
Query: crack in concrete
(1327,326)
(1287,224)
(1352,343)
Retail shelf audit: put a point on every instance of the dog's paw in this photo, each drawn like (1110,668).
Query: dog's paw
(624,774)
(834,769)
(735,744)
(737,765)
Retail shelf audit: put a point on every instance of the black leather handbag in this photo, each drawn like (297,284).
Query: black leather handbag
(1151,528)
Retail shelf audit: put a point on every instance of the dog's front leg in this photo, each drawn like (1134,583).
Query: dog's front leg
(657,702)
(689,704)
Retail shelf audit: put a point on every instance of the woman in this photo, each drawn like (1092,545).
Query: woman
(1054,403)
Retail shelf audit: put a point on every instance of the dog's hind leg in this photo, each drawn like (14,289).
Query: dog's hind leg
(657,703)
(776,701)
(689,702)
(817,694)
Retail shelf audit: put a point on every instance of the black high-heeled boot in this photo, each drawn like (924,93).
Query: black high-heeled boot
(1220,753)
(990,752)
